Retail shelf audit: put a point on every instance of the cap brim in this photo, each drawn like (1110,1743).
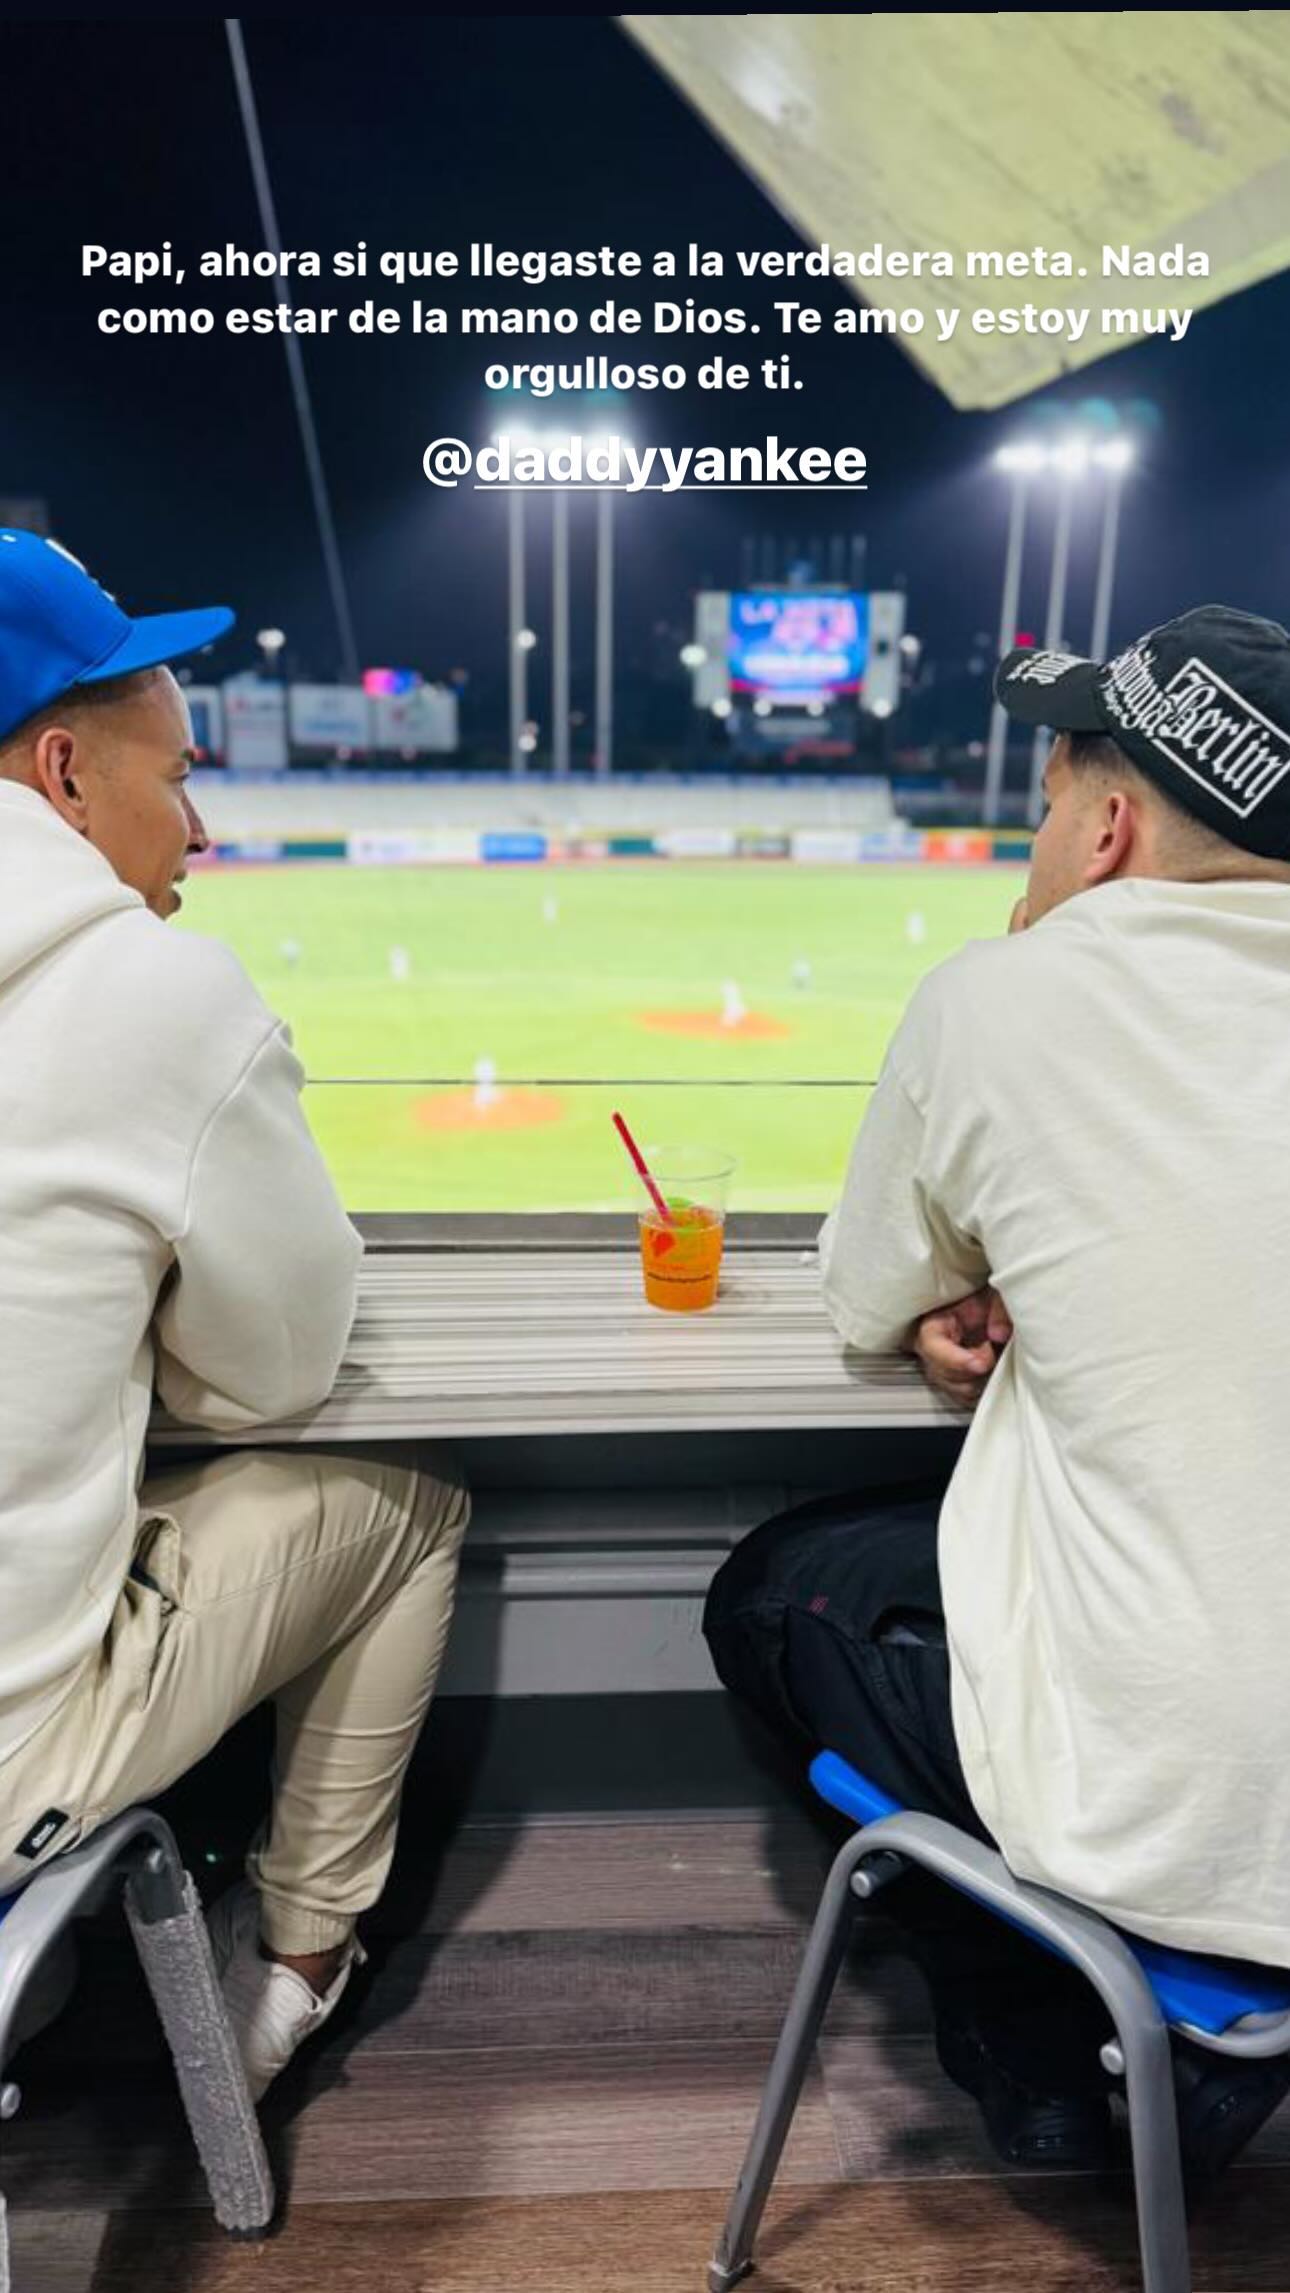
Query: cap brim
(1055,689)
(160,637)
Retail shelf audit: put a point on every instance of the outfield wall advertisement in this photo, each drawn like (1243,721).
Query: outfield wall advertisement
(807,847)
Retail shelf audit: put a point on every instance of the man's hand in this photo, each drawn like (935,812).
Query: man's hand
(960,1346)
(1019,920)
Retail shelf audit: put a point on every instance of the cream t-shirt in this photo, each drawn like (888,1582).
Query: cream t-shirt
(1095,1116)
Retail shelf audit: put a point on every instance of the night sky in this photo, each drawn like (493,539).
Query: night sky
(174,468)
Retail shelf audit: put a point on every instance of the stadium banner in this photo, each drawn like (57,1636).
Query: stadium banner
(899,842)
(587,848)
(1015,848)
(696,843)
(970,845)
(759,844)
(274,849)
(512,845)
(453,847)
(631,848)
(328,716)
(411,847)
(255,725)
(422,721)
(827,847)
(252,848)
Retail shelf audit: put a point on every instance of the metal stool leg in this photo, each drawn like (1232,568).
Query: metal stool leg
(1143,2053)
(165,1918)
(811,1995)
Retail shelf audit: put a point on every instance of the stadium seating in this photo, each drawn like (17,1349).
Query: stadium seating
(304,803)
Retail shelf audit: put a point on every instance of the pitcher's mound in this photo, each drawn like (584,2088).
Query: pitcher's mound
(710,1023)
(507,1111)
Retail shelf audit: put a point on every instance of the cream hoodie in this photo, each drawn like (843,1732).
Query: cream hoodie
(150,1126)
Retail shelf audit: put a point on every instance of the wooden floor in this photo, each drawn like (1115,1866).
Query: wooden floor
(545,2085)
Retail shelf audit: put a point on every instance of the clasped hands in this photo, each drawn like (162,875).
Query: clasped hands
(960,1346)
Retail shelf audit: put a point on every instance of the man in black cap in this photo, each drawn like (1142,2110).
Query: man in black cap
(1069,1200)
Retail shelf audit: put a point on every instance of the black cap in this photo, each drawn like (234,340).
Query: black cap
(1201,705)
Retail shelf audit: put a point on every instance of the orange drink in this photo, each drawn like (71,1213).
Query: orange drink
(681,1262)
(681,1255)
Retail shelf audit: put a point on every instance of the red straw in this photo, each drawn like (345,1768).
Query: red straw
(642,1166)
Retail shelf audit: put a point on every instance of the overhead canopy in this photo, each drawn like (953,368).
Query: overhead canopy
(1007,132)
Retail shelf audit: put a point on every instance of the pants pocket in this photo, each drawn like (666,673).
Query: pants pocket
(148,1603)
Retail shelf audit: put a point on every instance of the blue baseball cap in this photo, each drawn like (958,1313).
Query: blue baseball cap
(58,629)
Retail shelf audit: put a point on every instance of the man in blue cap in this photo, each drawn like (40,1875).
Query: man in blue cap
(1068,1199)
(166,1220)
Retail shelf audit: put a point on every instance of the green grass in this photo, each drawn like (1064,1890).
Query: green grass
(490,977)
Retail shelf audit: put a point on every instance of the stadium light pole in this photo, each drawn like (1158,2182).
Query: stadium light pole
(1115,457)
(332,566)
(1070,462)
(518,651)
(604,695)
(1021,463)
(520,638)
(604,704)
(560,633)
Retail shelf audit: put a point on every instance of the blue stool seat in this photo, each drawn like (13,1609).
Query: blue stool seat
(1209,1994)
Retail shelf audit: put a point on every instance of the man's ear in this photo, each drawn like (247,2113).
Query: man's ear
(1115,838)
(59,776)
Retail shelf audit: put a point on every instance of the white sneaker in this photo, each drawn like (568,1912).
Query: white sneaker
(271,2007)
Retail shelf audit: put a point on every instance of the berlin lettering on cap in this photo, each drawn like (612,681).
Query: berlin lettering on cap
(1201,705)
(59,629)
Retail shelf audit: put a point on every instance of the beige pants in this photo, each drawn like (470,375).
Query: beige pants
(325,1583)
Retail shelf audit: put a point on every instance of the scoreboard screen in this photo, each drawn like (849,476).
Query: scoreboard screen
(795,646)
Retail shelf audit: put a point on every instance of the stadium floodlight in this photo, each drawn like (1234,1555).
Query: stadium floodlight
(1023,460)
(528,742)
(721,707)
(1071,459)
(762,708)
(693,656)
(526,640)
(271,642)
(881,707)
(1115,454)
(815,708)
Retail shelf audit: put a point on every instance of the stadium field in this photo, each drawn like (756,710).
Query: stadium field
(445,1017)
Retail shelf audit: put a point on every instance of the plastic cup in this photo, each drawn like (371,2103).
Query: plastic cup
(681,1260)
